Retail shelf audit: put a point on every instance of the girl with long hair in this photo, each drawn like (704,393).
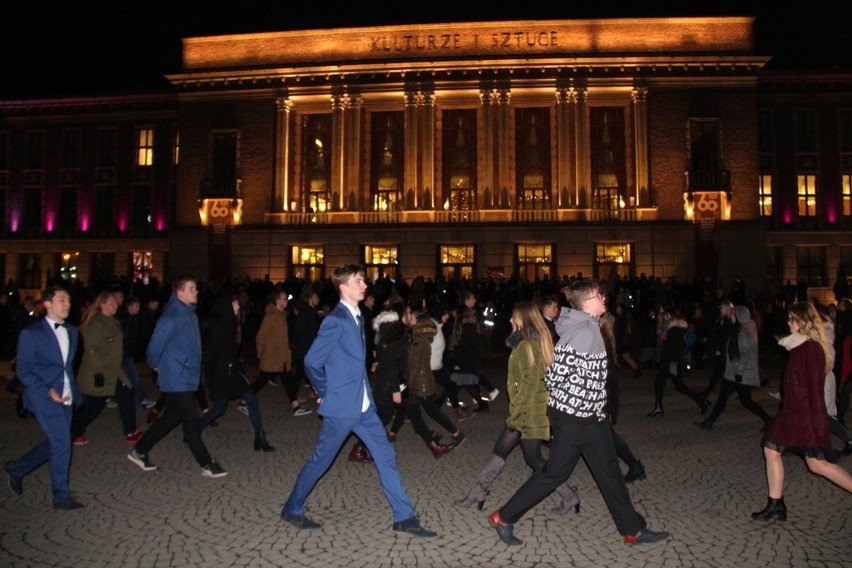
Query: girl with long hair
(527,424)
(801,424)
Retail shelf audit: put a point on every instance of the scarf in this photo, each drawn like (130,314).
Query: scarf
(792,341)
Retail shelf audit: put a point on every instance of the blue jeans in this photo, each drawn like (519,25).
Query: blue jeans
(128,364)
(221,404)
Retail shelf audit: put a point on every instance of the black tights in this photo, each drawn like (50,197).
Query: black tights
(531,449)
(744,392)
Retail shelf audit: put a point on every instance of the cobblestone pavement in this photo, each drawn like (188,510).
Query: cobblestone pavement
(701,486)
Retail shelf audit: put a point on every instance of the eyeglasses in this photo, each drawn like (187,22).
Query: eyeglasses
(600,297)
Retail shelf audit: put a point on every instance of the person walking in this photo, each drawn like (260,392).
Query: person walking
(175,353)
(741,369)
(527,424)
(130,323)
(223,369)
(101,373)
(576,380)
(45,359)
(273,351)
(673,364)
(801,424)
(335,366)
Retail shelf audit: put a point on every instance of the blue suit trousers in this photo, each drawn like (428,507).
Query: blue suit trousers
(332,435)
(55,449)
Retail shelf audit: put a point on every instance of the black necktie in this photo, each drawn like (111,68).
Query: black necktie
(360,319)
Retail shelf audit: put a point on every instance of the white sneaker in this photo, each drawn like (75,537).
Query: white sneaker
(243,408)
(493,394)
(141,460)
(111,403)
(302,411)
(213,469)
(147,403)
(775,395)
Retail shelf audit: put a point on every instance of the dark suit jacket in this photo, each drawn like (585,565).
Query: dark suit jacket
(40,367)
(335,365)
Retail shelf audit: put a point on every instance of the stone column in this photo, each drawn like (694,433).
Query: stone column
(282,193)
(563,146)
(352,152)
(581,144)
(426,159)
(411,146)
(486,163)
(337,151)
(505,145)
(641,194)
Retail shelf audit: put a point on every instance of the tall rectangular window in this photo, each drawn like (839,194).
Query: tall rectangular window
(805,130)
(381,261)
(706,171)
(68,208)
(104,207)
(29,270)
(846,193)
(456,261)
(68,265)
(141,207)
(534,261)
(106,150)
(458,144)
(807,195)
(386,161)
(613,259)
(224,164)
(532,143)
(811,265)
(142,263)
(307,262)
(32,209)
(71,149)
(4,151)
(102,267)
(145,147)
(764,195)
(608,158)
(316,129)
(34,150)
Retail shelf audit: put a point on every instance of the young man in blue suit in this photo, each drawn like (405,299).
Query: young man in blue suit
(335,367)
(44,364)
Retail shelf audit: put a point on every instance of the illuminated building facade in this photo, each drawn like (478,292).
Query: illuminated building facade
(618,146)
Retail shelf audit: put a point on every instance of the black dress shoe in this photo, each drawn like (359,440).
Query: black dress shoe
(16,484)
(704,405)
(299,521)
(412,526)
(706,424)
(67,504)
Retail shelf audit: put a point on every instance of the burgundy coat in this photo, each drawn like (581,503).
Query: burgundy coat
(802,420)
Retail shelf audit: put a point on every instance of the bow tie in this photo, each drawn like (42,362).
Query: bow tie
(58,325)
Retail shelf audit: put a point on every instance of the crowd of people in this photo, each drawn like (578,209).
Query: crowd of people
(419,346)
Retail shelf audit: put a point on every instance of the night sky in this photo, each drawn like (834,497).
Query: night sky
(76,48)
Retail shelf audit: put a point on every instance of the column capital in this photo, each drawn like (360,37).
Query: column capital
(503,96)
(284,104)
(580,94)
(563,95)
(639,94)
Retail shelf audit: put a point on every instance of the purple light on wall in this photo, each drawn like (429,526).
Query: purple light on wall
(84,221)
(160,222)
(787,215)
(14,221)
(49,221)
(831,214)
(122,222)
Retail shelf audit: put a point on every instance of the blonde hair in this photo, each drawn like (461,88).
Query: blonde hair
(811,326)
(531,321)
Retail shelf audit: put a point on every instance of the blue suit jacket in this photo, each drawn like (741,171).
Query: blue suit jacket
(335,365)
(40,367)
